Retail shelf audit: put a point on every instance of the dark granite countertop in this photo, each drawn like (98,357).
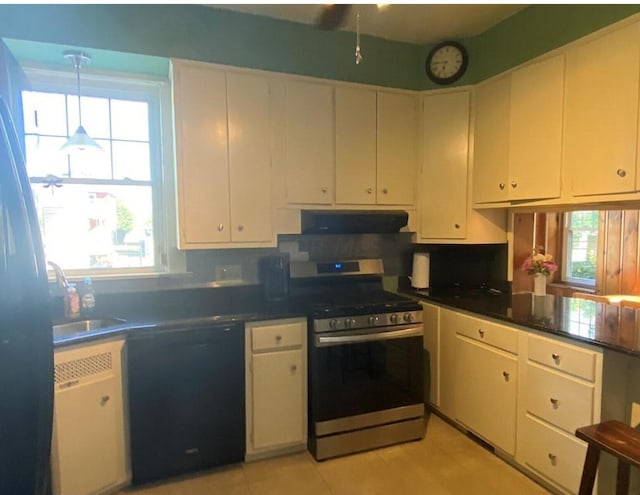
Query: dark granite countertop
(273,311)
(604,325)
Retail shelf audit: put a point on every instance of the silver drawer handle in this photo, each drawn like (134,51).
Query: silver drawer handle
(553,458)
(220,227)
(294,368)
(278,338)
(554,402)
(506,375)
(481,332)
(369,191)
(555,356)
(385,191)
(104,400)
(324,190)
(501,185)
(621,172)
(514,184)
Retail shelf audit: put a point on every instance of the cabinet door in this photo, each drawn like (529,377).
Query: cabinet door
(249,157)
(397,148)
(486,392)
(309,135)
(431,342)
(491,140)
(278,398)
(87,432)
(200,104)
(445,166)
(535,136)
(449,322)
(601,112)
(355,146)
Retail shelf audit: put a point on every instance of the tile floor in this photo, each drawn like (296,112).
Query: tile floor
(446,462)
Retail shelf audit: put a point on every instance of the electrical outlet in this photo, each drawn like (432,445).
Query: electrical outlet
(635,414)
(228,273)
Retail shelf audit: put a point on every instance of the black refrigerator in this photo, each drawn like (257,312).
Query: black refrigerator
(26,337)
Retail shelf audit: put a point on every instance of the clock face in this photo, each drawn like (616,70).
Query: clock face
(446,62)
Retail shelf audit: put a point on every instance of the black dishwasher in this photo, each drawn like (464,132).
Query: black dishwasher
(186,400)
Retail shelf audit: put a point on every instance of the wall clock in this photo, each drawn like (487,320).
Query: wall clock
(446,62)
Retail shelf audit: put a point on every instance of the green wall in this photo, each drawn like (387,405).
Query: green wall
(214,35)
(141,38)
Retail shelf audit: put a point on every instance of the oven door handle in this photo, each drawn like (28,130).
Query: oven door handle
(329,340)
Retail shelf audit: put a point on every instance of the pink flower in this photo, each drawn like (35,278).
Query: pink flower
(539,263)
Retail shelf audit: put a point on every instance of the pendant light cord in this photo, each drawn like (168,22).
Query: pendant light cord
(78,62)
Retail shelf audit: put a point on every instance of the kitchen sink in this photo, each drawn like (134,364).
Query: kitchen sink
(73,327)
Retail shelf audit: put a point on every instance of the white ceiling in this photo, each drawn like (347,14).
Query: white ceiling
(414,23)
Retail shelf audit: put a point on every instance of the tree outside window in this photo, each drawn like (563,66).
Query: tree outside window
(581,247)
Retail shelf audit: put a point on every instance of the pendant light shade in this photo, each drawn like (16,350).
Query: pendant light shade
(80,140)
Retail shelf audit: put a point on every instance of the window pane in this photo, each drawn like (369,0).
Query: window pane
(43,156)
(95,116)
(130,120)
(131,160)
(92,163)
(93,227)
(582,245)
(44,113)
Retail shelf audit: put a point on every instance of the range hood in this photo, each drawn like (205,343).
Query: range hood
(353,221)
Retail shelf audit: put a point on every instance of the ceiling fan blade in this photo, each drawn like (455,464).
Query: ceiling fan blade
(332,16)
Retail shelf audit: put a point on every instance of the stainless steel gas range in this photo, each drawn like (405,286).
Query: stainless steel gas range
(365,358)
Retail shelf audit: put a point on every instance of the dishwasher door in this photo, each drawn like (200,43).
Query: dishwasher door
(186,400)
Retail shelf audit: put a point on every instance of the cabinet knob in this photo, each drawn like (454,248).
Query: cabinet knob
(514,184)
(385,191)
(294,368)
(501,185)
(506,375)
(481,332)
(456,225)
(240,228)
(220,227)
(621,172)
(278,338)
(104,399)
(552,458)
(369,190)
(556,357)
(324,190)
(554,402)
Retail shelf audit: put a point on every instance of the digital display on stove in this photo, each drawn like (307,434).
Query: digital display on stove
(339,267)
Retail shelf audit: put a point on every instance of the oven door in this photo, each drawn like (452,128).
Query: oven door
(360,372)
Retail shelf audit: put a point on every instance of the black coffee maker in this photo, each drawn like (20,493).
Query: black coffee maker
(274,275)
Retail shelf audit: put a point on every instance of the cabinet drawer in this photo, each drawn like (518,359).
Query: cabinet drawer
(267,337)
(558,399)
(490,333)
(553,454)
(563,357)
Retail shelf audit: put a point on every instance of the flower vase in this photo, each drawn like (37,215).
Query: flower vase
(539,284)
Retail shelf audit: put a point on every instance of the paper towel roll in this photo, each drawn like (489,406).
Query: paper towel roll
(420,273)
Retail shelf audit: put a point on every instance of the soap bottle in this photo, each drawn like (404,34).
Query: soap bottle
(88,301)
(71,302)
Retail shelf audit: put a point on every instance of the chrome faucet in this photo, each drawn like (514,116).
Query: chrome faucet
(61,279)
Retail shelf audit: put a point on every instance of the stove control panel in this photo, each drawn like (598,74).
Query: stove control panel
(366,321)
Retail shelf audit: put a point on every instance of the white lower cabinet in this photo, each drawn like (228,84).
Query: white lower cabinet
(486,387)
(523,393)
(276,387)
(89,453)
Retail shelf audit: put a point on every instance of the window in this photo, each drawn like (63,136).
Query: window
(99,211)
(580,247)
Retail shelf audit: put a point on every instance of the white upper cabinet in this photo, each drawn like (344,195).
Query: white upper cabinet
(445,147)
(491,141)
(200,104)
(249,157)
(535,137)
(397,148)
(355,146)
(223,156)
(601,113)
(309,142)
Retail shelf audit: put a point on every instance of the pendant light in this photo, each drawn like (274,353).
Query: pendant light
(80,139)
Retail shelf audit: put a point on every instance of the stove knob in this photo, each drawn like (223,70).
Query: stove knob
(408,317)
(333,323)
(373,320)
(348,322)
(394,318)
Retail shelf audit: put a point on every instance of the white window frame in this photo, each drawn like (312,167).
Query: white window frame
(157,92)
(566,233)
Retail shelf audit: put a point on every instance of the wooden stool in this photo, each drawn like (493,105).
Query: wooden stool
(619,440)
